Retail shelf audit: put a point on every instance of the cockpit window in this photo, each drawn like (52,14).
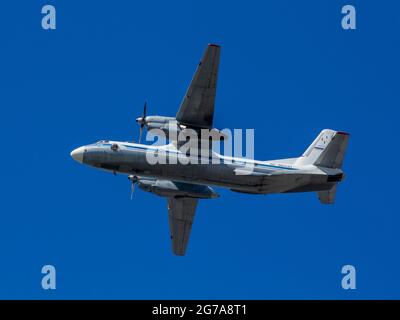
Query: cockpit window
(102,141)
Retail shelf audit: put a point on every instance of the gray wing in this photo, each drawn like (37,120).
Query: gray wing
(181,214)
(197,108)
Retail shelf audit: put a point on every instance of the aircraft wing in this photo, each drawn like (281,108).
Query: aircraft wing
(197,108)
(181,214)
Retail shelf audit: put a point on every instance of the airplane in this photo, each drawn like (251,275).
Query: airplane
(318,169)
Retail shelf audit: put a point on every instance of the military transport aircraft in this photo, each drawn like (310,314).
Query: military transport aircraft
(317,170)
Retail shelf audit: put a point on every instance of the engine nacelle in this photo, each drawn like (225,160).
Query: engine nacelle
(172,128)
(159,119)
(167,188)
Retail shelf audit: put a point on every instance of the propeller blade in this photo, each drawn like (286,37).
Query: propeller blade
(132,189)
(144,110)
(143,120)
(133,180)
(140,132)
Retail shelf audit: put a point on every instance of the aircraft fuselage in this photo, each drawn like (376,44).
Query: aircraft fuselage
(237,174)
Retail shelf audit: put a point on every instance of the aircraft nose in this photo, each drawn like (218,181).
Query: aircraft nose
(77,154)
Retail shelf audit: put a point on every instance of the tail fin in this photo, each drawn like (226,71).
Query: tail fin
(327,150)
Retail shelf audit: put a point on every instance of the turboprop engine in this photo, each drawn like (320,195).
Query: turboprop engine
(168,188)
(172,128)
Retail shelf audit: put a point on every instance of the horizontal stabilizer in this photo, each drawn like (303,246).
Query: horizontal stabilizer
(327,196)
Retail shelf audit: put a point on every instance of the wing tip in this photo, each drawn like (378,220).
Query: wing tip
(214,45)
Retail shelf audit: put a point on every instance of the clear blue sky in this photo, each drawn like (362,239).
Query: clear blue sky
(287,70)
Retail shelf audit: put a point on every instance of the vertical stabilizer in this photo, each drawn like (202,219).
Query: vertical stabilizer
(327,150)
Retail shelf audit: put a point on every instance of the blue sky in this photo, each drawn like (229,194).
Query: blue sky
(287,70)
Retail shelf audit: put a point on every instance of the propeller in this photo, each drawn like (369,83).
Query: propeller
(142,120)
(133,180)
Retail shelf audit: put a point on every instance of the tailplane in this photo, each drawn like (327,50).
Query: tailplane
(327,196)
